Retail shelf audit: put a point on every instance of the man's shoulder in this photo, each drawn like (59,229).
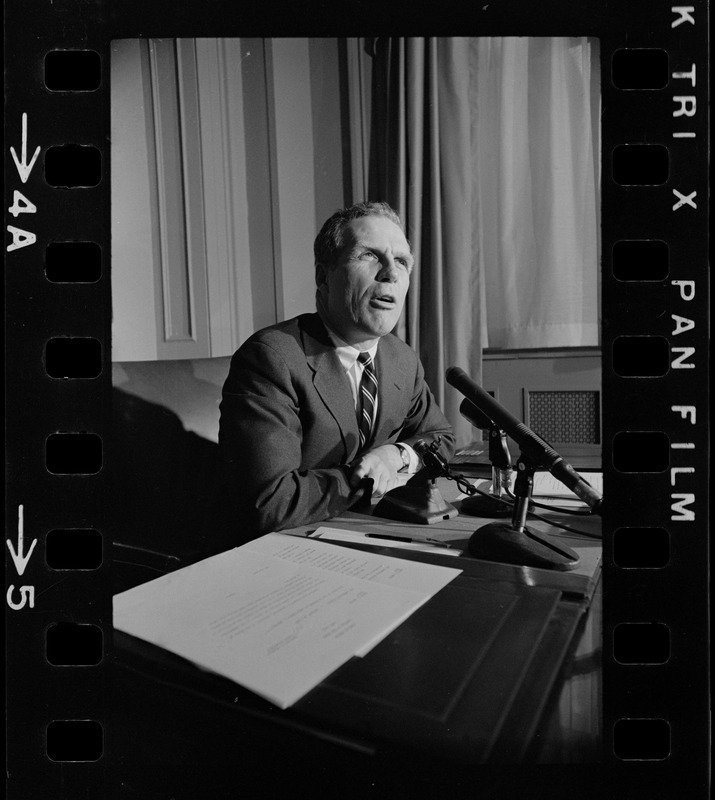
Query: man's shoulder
(288,334)
(392,346)
(307,333)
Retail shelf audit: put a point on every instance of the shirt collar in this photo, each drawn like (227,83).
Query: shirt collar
(347,354)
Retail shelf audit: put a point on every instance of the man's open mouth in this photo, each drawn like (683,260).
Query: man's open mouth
(383,301)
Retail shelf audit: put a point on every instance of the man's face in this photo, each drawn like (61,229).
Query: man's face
(362,294)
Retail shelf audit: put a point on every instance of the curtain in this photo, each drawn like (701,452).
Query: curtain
(488,149)
(535,172)
(421,143)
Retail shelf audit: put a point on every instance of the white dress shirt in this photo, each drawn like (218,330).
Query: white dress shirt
(348,356)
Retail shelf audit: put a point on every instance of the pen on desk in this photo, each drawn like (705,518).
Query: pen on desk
(405,539)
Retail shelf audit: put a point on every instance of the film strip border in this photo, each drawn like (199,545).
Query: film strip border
(58,315)
(655,288)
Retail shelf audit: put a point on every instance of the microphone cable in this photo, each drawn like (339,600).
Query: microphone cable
(469,489)
(577,512)
(439,467)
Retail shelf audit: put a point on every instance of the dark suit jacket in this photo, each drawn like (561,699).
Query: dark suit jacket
(289,429)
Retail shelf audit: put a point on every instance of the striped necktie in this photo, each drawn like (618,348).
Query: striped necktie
(368,399)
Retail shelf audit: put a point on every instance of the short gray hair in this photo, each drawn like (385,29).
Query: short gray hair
(330,241)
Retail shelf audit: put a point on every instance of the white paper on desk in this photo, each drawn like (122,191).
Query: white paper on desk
(278,614)
(546,485)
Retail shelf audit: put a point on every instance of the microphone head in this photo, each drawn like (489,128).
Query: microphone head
(453,373)
(474,415)
(420,447)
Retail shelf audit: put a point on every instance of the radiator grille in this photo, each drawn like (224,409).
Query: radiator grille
(565,416)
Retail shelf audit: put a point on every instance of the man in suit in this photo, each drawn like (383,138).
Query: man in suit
(310,424)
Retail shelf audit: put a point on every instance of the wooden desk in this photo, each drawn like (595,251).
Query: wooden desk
(501,666)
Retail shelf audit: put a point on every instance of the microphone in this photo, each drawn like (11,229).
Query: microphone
(419,500)
(431,458)
(531,444)
(476,416)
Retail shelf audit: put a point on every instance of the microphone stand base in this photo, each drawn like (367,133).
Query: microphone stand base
(421,504)
(480,506)
(499,541)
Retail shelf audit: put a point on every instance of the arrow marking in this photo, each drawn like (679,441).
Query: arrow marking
(18,556)
(23,168)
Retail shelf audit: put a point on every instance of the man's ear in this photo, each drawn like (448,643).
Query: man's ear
(320,275)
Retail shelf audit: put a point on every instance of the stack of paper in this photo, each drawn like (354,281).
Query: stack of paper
(281,613)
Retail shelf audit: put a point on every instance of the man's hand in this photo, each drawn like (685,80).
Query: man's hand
(380,466)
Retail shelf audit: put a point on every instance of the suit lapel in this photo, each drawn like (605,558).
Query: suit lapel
(333,386)
(330,381)
(392,382)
